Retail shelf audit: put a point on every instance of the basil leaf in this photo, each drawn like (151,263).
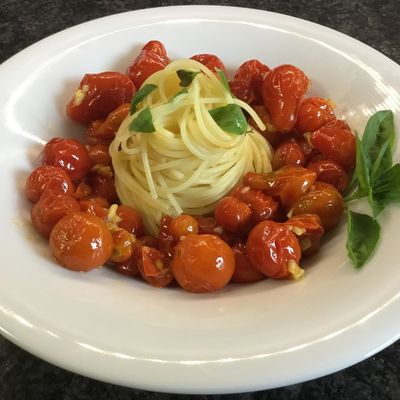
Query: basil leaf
(186,76)
(387,187)
(377,202)
(379,130)
(362,169)
(223,79)
(143,122)
(140,95)
(382,163)
(230,118)
(363,234)
(183,91)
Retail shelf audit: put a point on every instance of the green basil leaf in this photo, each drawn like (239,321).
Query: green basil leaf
(140,95)
(223,79)
(389,184)
(230,118)
(377,203)
(382,163)
(143,122)
(362,169)
(186,76)
(363,234)
(379,130)
(183,91)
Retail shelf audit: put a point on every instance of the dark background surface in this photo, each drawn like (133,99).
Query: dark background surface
(23,376)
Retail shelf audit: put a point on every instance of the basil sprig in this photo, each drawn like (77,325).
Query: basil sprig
(230,118)
(143,122)
(376,178)
(186,76)
(223,79)
(140,95)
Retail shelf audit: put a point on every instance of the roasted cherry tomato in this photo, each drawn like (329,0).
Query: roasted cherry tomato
(103,131)
(130,220)
(182,226)
(69,155)
(309,230)
(91,206)
(81,241)
(283,89)
(206,224)
(203,263)
(211,61)
(154,268)
(288,183)
(337,144)
(262,206)
(47,177)
(50,208)
(99,154)
(288,153)
(232,215)
(122,245)
(165,239)
(330,172)
(274,250)
(337,123)
(245,272)
(313,113)
(130,267)
(325,201)
(149,241)
(152,58)
(103,185)
(247,83)
(304,144)
(98,95)
(82,190)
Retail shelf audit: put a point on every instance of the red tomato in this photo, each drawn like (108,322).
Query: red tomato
(67,154)
(244,270)
(99,154)
(149,241)
(81,241)
(131,267)
(103,186)
(211,61)
(102,131)
(274,250)
(98,95)
(270,133)
(203,263)
(154,269)
(165,239)
(288,153)
(93,207)
(152,58)
(82,190)
(122,245)
(247,83)
(313,113)
(337,144)
(182,226)
(131,220)
(337,123)
(206,224)
(50,208)
(47,177)
(330,172)
(283,88)
(309,231)
(232,215)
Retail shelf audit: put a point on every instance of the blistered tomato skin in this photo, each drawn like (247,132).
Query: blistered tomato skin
(330,172)
(283,89)
(211,61)
(99,154)
(274,250)
(288,153)
(98,95)
(69,155)
(313,113)
(154,268)
(103,186)
(93,207)
(47,177)
(130,220)
(232,214)
(122,245)
(245,272)
(182,226)
(247,83)
(270,133)
(81,241)
(203,263)
(130,267)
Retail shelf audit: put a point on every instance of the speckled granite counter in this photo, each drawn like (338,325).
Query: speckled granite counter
(23,376)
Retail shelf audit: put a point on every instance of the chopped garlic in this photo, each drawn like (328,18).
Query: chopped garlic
(80,95)
(295,271)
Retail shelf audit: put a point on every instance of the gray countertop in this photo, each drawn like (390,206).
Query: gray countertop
(23,376)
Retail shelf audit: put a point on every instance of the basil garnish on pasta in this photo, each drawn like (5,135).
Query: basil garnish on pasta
(140,95)
(186,76)
(230,118)
(143,122)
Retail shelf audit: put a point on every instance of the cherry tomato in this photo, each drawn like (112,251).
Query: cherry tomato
(82,190)
(283,89)
(337,123)
(211,61)
(203,263)
(313,113)
(50,208)
(232,214)
(98,95)
(304,144)
(325,201)
(182,226)
(99,154)
(93,207)
(247,83)
(337,144)
(67,154)
(244,270)
(103,131)
(270,133)
(330,172)
(206,224)
(262,206)
(130,220)
(288,183)
(274,250)
(152,58)
(308,229)
(81,241)
(47,177)
(165,239)
(103,186)
(288,153)
(149,241)
(130,267)
(122,245)
(154,268)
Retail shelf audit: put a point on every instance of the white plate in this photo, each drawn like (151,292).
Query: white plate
(244,338)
